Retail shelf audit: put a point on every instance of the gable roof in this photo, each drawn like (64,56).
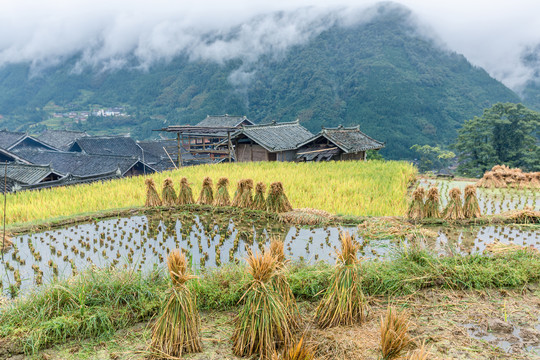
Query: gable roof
(348,139)
(27,174)
(107,145)
(276,136)
(224,121)
(10,156)
(81,164)
(61,139)
(10,139)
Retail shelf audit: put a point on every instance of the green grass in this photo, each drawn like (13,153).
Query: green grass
(99,302)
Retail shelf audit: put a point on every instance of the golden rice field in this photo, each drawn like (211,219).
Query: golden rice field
(372,188)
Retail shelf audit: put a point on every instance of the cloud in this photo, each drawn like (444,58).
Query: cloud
(109,34)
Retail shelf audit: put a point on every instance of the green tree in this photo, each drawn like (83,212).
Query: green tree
(432,157)
(505,134)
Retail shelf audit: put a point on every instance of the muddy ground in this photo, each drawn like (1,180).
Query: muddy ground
(493,324)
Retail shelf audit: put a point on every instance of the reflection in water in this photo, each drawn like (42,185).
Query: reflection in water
(143,243)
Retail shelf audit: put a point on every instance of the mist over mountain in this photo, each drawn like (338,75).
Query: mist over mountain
(375,68)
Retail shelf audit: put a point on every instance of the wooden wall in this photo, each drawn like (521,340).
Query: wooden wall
(361,155)
(249,152)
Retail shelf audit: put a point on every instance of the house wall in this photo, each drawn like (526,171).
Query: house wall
(251,152)
(361,155)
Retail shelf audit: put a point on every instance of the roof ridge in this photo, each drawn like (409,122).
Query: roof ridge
(273,123)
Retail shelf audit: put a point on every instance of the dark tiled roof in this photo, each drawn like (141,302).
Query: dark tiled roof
(26,174)
(276,136)
(72,180)
(8,156)
(79,164)
(61,139)
(348,139)
(108,145)
(9,138)
(224,121)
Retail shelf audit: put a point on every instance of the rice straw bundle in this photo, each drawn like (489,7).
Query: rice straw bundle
(416,209)
(394,333)
(277,200)
(222,193)
(207,194)
(296,352)
(471,208)
(421,353)
(152,196)
(259,202)
(246,198)
(280,283)
(454,208)
(177,329)
(168,194)
(185,195)
(344,302)
(433,203)
(263,321)
(239,188)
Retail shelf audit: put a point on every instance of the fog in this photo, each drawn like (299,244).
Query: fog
(108,34)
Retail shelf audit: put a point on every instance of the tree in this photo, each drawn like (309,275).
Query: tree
(505,134)
(432,157)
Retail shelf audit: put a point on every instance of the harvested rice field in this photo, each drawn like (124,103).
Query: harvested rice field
(100,288)
(454,324)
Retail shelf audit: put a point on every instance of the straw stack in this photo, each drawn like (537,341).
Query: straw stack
(177,329)
(152,196)
(259,202)
(222,193)
(168,194)
(185,195)
(207,194)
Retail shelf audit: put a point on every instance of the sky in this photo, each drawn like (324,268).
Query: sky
(491,34)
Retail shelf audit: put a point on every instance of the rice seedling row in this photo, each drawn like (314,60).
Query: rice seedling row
(142,243)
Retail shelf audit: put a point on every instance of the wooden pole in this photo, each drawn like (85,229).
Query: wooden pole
(5,204)
(229,145)
(179,159)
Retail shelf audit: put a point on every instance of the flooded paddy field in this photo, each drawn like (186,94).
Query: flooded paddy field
(143,242)
(491,201)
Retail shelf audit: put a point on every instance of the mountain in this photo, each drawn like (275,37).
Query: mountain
(400,86)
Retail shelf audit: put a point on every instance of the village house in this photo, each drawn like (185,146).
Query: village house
(340,143)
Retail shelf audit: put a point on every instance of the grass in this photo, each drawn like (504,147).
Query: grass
(99,302)
(372,188)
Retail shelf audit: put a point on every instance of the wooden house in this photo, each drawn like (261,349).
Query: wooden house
(341,143)
(269,142)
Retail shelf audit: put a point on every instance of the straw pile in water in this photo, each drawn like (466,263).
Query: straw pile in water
(185,195)
(394,333)
(525,216)
(416,209)
(498,248)
(259,202)
(471,208)
(207,194)
(152,196)
(502,176)
(222,193)
(433,203)
(343,302)
(263,321)
(454,208)
(168,194)
(177,329)
(277,201)
(245,199)
(280,283)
